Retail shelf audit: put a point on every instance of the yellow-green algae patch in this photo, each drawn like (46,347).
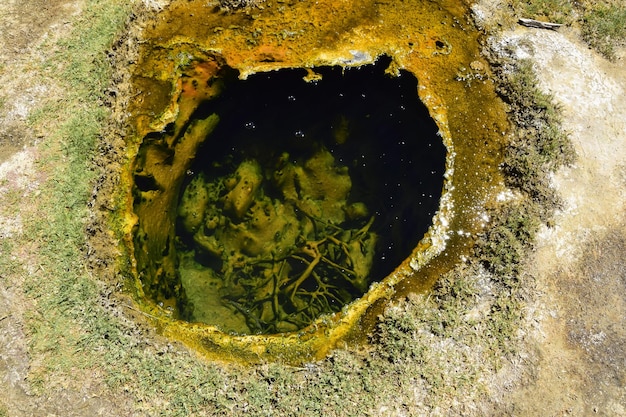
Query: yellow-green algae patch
(182,65)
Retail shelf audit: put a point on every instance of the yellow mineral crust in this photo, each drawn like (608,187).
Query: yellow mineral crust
(190,47)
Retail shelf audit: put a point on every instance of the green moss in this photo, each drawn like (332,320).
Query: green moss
(504,245)
(556,11)
(539,146)
(67,314)
(605,27)
(430,336)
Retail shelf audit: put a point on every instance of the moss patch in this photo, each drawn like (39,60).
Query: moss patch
(605,27)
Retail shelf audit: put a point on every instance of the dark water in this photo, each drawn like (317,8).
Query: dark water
(395,158)
(373,124)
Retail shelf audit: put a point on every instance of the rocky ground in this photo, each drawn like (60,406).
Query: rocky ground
(576,363)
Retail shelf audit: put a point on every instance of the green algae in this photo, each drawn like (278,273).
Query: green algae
(273,264)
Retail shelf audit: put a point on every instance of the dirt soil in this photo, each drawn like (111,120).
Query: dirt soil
(577,361)
(579,263)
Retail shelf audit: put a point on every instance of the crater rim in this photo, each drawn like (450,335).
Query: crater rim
(326,331)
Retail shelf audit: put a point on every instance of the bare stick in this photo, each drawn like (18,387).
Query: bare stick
(532,23)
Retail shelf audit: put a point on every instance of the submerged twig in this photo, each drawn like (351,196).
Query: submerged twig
(313,251)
